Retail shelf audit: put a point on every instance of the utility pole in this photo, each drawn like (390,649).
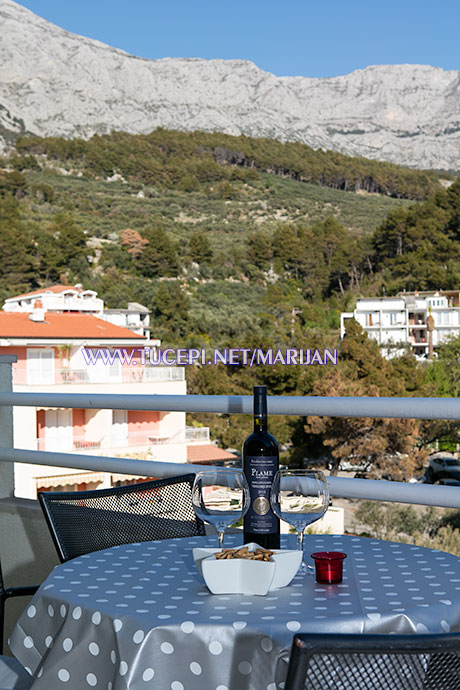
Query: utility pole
(430,329)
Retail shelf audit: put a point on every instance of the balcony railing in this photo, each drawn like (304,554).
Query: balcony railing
(59,303)
(163,373)
(131,439)
(422,408)
(197,434)
(131,374)
(406,408)
(62,444)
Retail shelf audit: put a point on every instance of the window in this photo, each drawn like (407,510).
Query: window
(115,369)
(372,318)
(40,366)
(106,371)
(119,428)
(58,430)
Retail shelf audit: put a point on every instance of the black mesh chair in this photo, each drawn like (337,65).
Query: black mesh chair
(374,662)
(85,521)
(12,675)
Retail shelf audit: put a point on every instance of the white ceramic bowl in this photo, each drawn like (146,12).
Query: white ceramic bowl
(242,576)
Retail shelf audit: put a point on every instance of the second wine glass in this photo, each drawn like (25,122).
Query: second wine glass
(220,497)
(299,497)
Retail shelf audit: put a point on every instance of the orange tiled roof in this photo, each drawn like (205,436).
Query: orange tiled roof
(19,325)
(207,453)
(52,288)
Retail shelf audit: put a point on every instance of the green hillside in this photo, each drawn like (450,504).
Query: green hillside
(235,242)
(103,208)
(187,223)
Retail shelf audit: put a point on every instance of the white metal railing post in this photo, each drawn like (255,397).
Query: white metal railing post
(6,425)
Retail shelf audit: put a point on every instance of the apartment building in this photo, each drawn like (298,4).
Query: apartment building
(69,299)
(400,324)
(50,332)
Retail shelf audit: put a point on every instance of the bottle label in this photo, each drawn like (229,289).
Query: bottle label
(259,471)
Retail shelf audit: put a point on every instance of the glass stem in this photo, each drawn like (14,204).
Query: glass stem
(300,539)
(221,533)
(303,566)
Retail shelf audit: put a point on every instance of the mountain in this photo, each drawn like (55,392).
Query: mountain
(55,83)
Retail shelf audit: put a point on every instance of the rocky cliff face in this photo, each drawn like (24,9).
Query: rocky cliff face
(53,82)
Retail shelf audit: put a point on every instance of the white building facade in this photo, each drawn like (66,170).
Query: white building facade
(399,324)
(49,331)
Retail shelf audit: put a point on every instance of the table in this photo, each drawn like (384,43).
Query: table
(139,616)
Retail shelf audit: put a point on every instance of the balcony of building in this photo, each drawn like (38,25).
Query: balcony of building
(86,303)
(136,318)
(116,441)
(417,319)
(109,374)
(417,337)
(27,552)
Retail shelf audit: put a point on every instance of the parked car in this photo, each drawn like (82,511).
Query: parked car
(443,466)
(448,482)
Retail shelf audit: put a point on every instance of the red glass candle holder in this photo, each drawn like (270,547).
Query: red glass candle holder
(329,566)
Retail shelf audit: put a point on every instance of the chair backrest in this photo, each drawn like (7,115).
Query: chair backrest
(85,521)
(374,662)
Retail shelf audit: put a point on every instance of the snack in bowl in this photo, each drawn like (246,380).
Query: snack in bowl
(246,570)
(257,555)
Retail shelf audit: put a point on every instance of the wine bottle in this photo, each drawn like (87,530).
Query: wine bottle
(260,462)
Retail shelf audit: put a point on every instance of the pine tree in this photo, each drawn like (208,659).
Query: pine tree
(199,248)
(159,255)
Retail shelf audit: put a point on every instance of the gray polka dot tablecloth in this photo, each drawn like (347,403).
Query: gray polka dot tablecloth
(140,617)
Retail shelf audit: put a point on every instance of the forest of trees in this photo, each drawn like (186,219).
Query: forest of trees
(187,160)
(416,247)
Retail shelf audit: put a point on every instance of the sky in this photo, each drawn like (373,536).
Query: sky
(297,37)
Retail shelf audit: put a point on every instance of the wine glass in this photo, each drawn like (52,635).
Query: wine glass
(220,497)
(299,497)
